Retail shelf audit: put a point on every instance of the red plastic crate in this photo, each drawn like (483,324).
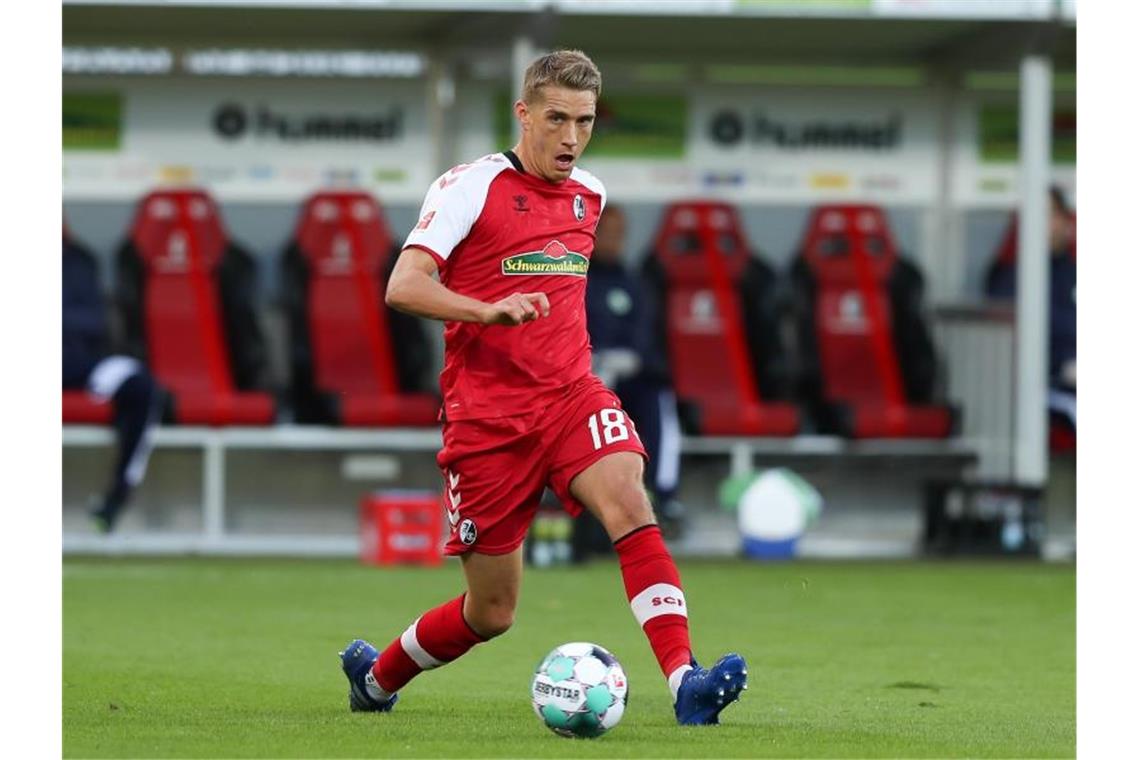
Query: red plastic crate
(401,527)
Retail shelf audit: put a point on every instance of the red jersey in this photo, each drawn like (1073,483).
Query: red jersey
(495,230)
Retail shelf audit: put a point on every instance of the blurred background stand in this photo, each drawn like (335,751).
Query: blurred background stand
(942,119)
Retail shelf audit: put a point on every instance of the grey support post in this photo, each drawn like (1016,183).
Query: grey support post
(1035,134)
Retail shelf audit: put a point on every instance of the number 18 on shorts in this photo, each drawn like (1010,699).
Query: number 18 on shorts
(495,470)
(607,427)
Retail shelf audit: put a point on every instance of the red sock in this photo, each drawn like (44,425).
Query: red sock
(653,588)
(435,638)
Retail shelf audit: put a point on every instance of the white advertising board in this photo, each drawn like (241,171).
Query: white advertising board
(278,140)
(781,145)
(984,167)
(258,140)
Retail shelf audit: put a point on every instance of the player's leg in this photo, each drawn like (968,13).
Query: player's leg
(598,464)
(612,489)
(493,583)
(491,499)
(440,635)
(447,632)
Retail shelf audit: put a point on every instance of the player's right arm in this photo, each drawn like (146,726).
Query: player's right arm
(414,289)
(451,208)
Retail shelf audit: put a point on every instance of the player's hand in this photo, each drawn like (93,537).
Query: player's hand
(517,309)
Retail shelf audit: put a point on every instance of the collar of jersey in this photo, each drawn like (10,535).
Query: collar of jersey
(532,178)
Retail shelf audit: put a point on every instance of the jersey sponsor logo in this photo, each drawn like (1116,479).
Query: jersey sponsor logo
(579,208)
(520,203)
(425,220)
(554,259)
(468,532)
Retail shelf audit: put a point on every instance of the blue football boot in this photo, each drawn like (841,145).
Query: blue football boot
(704,693)
(357,660)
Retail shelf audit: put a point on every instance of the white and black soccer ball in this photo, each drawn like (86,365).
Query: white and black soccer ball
(579,690)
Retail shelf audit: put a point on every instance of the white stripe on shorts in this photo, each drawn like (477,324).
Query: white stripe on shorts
(658,599)
(413,649)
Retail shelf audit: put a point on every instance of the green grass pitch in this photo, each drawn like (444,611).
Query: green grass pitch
(238,658)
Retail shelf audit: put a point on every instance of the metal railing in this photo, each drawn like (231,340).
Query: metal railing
(216,535)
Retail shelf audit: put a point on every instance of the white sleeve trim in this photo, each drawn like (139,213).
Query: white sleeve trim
(589,180)
(453,204)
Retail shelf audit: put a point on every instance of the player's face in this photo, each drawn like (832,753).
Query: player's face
(555,129)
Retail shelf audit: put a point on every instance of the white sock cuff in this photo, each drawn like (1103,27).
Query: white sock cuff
(412,647)
(675,679)
(659,599)
(374,689)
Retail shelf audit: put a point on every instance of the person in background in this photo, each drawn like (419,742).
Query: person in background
(629,359)
(88,364)
(1001,283)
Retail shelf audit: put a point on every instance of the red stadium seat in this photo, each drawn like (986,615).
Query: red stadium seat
(180,245)
(342,326)
(80,408)
(848,259)
(703,257)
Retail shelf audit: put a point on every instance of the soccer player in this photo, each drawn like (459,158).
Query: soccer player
(510,237)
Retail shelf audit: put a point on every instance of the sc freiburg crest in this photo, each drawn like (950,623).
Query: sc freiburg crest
(468,532)
(579,208)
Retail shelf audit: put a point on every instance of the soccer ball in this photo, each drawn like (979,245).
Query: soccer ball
(579,690)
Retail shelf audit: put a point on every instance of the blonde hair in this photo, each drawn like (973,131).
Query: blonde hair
(571,69)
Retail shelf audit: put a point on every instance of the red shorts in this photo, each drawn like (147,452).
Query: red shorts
(495,470)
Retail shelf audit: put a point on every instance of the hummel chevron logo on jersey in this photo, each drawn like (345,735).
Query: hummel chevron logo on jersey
(425,221)
(455,497)
(450,178)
